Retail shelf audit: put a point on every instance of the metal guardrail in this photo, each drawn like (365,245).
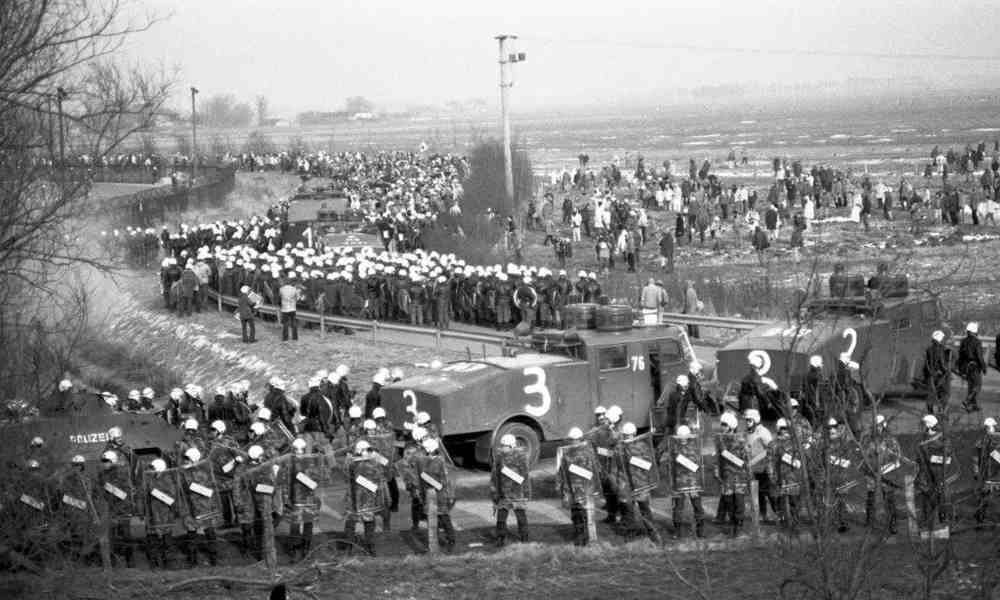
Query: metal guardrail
(325,321)
(710,321)
(494,340)
(499,340)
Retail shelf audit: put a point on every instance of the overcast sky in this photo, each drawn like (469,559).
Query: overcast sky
(306,54)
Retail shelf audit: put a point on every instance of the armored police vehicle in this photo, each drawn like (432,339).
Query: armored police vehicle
(883,335)
(555,383)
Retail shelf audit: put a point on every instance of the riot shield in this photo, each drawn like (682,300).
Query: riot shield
(579,474)
(433,473)
(686,465)
(384,446)
(364,497)
(843,465)
(117,493)
(201,491)
(733,463)
(894,467)
(512,475)
(260,483)
(162,499)
(76,502)
(307,475)
(640,464)
(224,462)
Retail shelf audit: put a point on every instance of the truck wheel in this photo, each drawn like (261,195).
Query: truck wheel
(526,438)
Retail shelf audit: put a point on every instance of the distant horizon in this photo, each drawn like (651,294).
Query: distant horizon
(800,96)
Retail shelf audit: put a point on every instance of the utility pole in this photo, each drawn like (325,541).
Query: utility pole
(506,81)
(194,136)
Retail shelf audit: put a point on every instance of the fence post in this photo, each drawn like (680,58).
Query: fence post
(911,507)
(432,521)
(218,297)
(754,508)
(591,525)
(322,323)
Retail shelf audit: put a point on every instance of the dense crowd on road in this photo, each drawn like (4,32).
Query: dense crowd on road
(418,287)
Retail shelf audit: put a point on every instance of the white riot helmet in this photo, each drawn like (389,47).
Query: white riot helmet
(695,366)
(430,445)
(614,414)
(508,440)
(990,423)
(192,454)
(78,459)
(423,418)
(930,422)
(683,381)
(972,327)
(752,415)
(258,428)
(816,361)
(255,452)
(159,465)
(780,424)
(938,336)
(219,426)
(728,419)
(629,429)
(191,425)
(361,447)
(354,412)
(879,420)
(109,456)
(263,413)
(378,413)
(37,442)
(65,384)
(368,425)
(299,445)
(683,431)
(115,433)
(756,360)
(575,433)
(419,433)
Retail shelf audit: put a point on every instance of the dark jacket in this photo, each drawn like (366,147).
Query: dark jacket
(245,308)
(970,355)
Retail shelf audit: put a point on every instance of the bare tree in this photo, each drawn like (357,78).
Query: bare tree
(59,89)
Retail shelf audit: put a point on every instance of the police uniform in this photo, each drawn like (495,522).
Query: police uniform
(304,500)
(202,510)
(605,438)
(786,469)
(684,468)
(883,453)
(935,476)
(987,469)
(578,474)
(117,506)
(432,473)
(163,504)
(510,488)
(364,499)
(733,472)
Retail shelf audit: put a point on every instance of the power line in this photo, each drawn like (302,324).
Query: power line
(766,51)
